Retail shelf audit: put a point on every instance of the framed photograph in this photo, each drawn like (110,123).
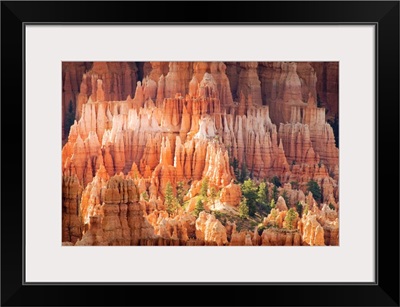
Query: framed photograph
(239,153)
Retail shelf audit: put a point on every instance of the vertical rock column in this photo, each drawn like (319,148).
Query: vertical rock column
(249,84)
(71,224)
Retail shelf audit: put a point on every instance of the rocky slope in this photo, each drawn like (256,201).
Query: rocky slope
(140,157)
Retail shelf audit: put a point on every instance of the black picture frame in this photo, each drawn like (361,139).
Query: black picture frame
(384,292)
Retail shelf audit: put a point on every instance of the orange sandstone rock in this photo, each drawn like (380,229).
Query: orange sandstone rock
(209,229)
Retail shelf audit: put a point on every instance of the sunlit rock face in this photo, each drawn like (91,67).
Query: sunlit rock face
(156,153)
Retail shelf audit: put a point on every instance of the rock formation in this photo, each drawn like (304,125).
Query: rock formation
(71,225)
(327,85)
(209,229)
(249,84)
(155,153)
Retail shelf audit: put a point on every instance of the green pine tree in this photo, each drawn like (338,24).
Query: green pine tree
(272,216)
(272,203)
(275,180)
(262,197)
(204,188)
(249,191)
(313,187)
(180,193)
(169,198)
(299,209)
(275,193)
(289,218)
(199,207)
(243,209)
